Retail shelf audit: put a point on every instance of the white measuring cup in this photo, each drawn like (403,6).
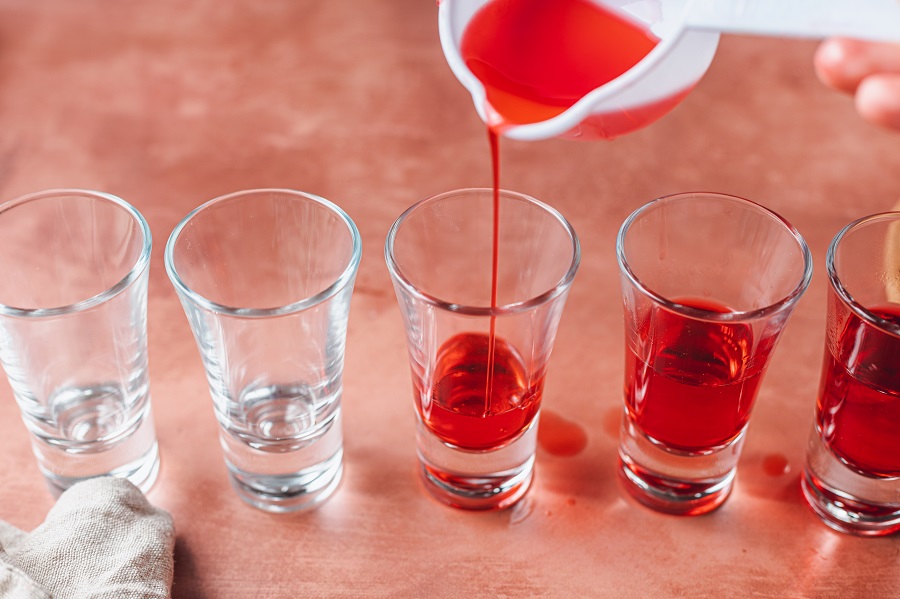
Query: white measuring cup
(635,98)
(689,34)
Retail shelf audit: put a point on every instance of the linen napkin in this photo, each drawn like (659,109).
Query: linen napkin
(102,540)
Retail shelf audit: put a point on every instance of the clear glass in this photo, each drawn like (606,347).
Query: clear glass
(852,475)
(709,282)
(477,395)
(265,278)
(73,333)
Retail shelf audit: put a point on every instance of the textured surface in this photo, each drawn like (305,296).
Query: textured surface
(101,540)
(170,103)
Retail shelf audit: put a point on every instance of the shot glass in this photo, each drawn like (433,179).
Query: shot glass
(73,333)
(709,282)
(479,344)
(265,278)
(852,474)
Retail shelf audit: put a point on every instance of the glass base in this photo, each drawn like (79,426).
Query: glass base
(134,457)
(477,480)
(289,493)
(675,482)
(845,500)
(141,472)
(286,478)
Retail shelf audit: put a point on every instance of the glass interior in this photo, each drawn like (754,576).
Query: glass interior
(714,247)
(63,247)
(263,249)
(863,264)
(443,247)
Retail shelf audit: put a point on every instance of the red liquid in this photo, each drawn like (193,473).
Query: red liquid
(536,58)
(858,412)
(457,413)
(775,465)
(697,389)
(559,436)
(494,140)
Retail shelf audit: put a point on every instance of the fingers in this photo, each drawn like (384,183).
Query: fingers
(844,63)
(869,70)
(878,99)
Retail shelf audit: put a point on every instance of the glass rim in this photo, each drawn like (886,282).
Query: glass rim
(736,315)
(137,269)
(838,286)
(305,303)
(561,286)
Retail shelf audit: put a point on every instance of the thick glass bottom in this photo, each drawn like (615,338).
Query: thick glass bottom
(846,500)
(477,480)
(675,482)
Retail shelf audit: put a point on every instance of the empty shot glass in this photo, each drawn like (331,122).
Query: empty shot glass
(479,344)
(73,333)
(709,282)
(265,278)
(852,474)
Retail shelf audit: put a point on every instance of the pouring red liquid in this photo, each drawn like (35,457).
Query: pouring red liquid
(536,59)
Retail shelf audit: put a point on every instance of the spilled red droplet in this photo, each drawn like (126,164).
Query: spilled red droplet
(559,436)
(776,464)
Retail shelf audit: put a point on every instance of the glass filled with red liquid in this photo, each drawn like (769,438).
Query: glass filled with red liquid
(852,475)
(709,282)
(481,289)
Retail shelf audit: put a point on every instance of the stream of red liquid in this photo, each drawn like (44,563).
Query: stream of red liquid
(535,58)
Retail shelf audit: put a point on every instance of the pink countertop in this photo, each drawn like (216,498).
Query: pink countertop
(171,103)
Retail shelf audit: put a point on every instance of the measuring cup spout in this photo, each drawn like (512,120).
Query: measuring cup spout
(636,98)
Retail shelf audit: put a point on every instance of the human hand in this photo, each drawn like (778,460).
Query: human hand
(869,71)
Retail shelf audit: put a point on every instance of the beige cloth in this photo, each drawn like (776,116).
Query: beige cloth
(102,540)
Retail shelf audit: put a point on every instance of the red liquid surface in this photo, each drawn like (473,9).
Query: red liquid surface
(858,412)
(457,412)
(697,388)
(536,58)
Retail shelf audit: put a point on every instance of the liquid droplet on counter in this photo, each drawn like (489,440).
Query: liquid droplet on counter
(559,436)
(776,464)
